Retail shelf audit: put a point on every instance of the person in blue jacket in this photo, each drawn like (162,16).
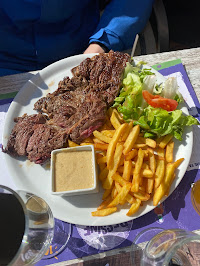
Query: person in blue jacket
(36,33)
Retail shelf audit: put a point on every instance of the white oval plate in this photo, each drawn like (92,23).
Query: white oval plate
(36,178)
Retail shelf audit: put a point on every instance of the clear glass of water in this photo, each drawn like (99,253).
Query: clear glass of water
(166,247)
(26,226)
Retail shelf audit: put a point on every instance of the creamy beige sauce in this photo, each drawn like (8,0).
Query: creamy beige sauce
(73,170)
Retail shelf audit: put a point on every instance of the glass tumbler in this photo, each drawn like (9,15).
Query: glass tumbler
(195,196)
(26,227)
(167,247)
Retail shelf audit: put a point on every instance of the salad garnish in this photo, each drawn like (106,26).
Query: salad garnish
(153,106)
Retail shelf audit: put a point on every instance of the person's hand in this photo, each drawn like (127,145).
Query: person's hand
(94,48)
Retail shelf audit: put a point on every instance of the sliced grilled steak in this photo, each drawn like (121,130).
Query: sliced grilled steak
(103,67)
(91,116)
(33,137)
(22,132)
(44,139)
(75,109)
(71,103)
(102,73)
(64,103)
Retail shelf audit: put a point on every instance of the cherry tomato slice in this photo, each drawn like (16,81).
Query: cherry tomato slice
(157,101)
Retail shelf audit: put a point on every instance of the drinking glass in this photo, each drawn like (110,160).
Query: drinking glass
(165,247)
(195,196)
(27,228)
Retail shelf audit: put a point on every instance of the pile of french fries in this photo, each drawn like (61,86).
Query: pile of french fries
(133,169)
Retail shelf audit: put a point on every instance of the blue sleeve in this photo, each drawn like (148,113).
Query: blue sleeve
(120,22)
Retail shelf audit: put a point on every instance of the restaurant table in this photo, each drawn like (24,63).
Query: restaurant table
(190,60)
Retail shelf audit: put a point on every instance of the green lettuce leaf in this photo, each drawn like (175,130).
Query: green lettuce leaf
(161,122)
(130,101)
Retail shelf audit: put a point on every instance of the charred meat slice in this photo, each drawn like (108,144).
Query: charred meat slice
(103,67)
(22,132)
(93,113)
(104,73)
(56,103)
(90,110)
(44,139)
(34,138)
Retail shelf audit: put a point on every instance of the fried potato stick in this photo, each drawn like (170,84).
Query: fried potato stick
(114,119)
(121,195)
(115,163)
(72,144)
(113,143)
(134,207)
(100,147)
(104,212)
(137,171)
(129,198)
(169,152)
(165,184)
(127,170)
(105,203)
(131,139)
(163,143)
(119,179)
(159,174)
(101,136)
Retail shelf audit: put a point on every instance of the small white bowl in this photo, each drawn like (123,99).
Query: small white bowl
(93,189)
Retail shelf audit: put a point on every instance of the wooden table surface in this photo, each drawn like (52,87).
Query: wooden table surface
(191,61)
